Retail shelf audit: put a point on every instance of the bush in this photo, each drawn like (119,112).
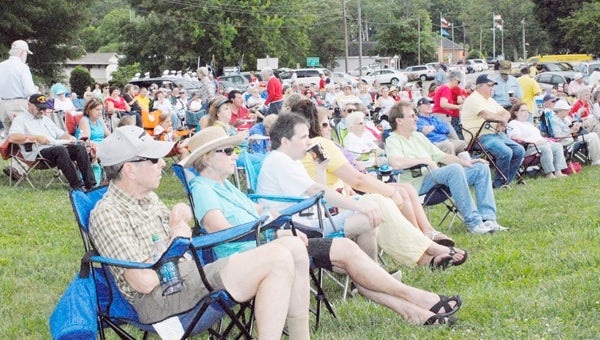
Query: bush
(80,79)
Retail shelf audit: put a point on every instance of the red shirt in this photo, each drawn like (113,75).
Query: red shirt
(322,84)
(118,103)
(242,113)
(444,91)
(579,104)
(274,90)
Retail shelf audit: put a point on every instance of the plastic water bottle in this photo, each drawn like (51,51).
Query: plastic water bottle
(168,273)
(384,167)
(269,234)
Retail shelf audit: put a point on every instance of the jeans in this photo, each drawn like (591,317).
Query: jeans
(508,156)
(458,179)
(63,157)
(275,107)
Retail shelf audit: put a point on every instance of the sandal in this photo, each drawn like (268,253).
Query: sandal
(445,304)
(447,260)
(439,319)
(440,238)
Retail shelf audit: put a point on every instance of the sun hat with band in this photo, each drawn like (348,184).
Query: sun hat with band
(127,143)
(206,140)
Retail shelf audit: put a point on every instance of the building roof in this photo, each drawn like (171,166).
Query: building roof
(95,59)
(447,44)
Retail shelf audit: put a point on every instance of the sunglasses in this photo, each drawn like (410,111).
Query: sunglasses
(325,124)
(350,110)
(143,159)
(229,151)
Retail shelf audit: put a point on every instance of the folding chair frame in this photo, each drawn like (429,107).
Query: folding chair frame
(475,147)
(13,151)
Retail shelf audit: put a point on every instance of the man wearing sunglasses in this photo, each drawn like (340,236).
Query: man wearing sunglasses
(38,135)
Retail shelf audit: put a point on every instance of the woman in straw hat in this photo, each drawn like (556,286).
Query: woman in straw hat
(219,205)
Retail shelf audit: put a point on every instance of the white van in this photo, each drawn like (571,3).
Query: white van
(304,76)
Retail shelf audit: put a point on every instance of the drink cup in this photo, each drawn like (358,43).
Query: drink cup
(316,150)
(511,93)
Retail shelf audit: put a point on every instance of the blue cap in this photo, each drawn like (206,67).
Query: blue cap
(483,79)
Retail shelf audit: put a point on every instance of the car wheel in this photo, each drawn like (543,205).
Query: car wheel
(394,81)
(423,77)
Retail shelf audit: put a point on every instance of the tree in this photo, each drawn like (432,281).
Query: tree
(80,79)
(548,11)
(581,27)
(124,74)
(49,27)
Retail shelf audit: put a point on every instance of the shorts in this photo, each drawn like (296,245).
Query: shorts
(318,250)
(154,307)
(339,221)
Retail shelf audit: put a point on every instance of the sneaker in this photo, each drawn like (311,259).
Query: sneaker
(495,226)
(12,173)
(481,228)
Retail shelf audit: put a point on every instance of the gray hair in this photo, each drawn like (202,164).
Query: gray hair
(266,72)
(455,75)
(203,71)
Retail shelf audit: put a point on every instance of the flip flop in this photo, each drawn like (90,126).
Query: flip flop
(438,320)
(440,238)
(445,303)
(447,260)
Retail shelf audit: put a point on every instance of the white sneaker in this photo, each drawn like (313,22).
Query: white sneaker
(596,163)
(482,228)
(495,226)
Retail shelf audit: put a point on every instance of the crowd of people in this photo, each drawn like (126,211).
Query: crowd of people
(359,130)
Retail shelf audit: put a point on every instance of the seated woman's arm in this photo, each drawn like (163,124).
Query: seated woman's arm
(84,128)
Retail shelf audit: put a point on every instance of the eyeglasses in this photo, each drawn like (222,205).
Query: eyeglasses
(350,110)
(143,159)
(229,151)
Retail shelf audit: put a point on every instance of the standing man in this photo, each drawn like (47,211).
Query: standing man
(479,107)
(440,75)
(16,83)
(274,100)
(445,107)
(507,90)
(530,89)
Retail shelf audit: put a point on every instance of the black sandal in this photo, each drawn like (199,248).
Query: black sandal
(439,319)
(444,303)
(447,260)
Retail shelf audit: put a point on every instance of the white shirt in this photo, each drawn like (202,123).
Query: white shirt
(65,105)
(15,79)
(27,124)
(524,130)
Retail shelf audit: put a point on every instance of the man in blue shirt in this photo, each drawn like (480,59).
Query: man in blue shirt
(436,130)
(507,90)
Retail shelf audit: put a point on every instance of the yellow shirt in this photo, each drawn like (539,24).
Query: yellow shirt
(144,102)
(530,88)
(336,160)
(469,115)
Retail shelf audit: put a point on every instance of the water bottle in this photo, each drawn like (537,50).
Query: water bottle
(269,234)
(168,273)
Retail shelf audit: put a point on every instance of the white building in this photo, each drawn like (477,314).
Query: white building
(100,65)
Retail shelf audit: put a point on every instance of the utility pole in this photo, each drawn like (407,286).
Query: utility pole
(360,40)
(345,36)
(494,35)
(419,47)
(524,50)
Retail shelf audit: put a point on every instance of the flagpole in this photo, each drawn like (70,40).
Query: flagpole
(441,40)
(494,35)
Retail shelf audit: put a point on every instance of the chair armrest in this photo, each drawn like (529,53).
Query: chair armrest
(223,236)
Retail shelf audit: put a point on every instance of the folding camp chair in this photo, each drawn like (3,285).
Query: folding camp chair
(285,218)
(476,149)
(22,169)
(112,308)
(575,151)
(531,164)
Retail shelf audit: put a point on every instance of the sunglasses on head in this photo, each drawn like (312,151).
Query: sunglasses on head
(229,151)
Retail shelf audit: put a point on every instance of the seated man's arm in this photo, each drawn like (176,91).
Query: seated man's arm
(399,163)
(444,103)
(21,138)
(501,115)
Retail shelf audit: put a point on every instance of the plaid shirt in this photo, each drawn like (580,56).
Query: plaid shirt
(121,227)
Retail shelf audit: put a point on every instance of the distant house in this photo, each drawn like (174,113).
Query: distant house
(100,65)
(452,51)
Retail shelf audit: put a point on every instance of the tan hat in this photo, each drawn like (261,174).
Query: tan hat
(206,140)
(505,67)
(20,45)
(128,142)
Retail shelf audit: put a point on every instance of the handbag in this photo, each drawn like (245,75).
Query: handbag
(572,168)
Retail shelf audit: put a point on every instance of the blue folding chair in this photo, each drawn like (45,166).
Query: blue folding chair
(284,220)
(113,310)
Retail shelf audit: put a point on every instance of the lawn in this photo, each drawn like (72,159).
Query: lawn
(540,280)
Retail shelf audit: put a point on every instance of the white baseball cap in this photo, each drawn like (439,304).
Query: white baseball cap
(128,142)
(20,45)
(561,105)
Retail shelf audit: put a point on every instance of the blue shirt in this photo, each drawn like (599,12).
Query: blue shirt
(440,131)
(259,145)
(501,90)
(236,207)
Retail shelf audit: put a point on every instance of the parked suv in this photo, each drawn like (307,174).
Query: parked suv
(587,67)
(422,72)
(191,86)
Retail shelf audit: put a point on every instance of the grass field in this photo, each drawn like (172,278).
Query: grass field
(540,280)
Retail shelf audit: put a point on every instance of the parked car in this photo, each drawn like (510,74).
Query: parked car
(386,76)
(365,71)
(479,64)
(460,66)
(235,81)
(547,80)
(422,72)
(554,66)
(587,67)
(191,86)
(247,75)
(344,78)
(304,76)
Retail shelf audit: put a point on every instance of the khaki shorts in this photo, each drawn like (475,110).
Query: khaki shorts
(154,307)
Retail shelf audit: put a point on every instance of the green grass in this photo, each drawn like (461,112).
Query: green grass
(538,281)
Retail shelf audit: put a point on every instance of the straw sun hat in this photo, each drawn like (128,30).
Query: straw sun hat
(206,140)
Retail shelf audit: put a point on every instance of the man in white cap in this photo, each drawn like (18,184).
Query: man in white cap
(576,84)
(123,223)
(16,83)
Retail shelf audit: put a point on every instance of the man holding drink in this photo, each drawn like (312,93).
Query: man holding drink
(507,91)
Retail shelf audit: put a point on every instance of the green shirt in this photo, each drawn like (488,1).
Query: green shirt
(417,146)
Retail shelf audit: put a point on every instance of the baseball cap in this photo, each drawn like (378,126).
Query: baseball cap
(505,66)
(550,97)
(483,79)
(424,100)
(561,105)
(578,76)
(39,100)
(128,142)
(20,45)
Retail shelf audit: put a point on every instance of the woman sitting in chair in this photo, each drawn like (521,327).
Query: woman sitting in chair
(218,205)
(403,194)
(164,131)
(551,153)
